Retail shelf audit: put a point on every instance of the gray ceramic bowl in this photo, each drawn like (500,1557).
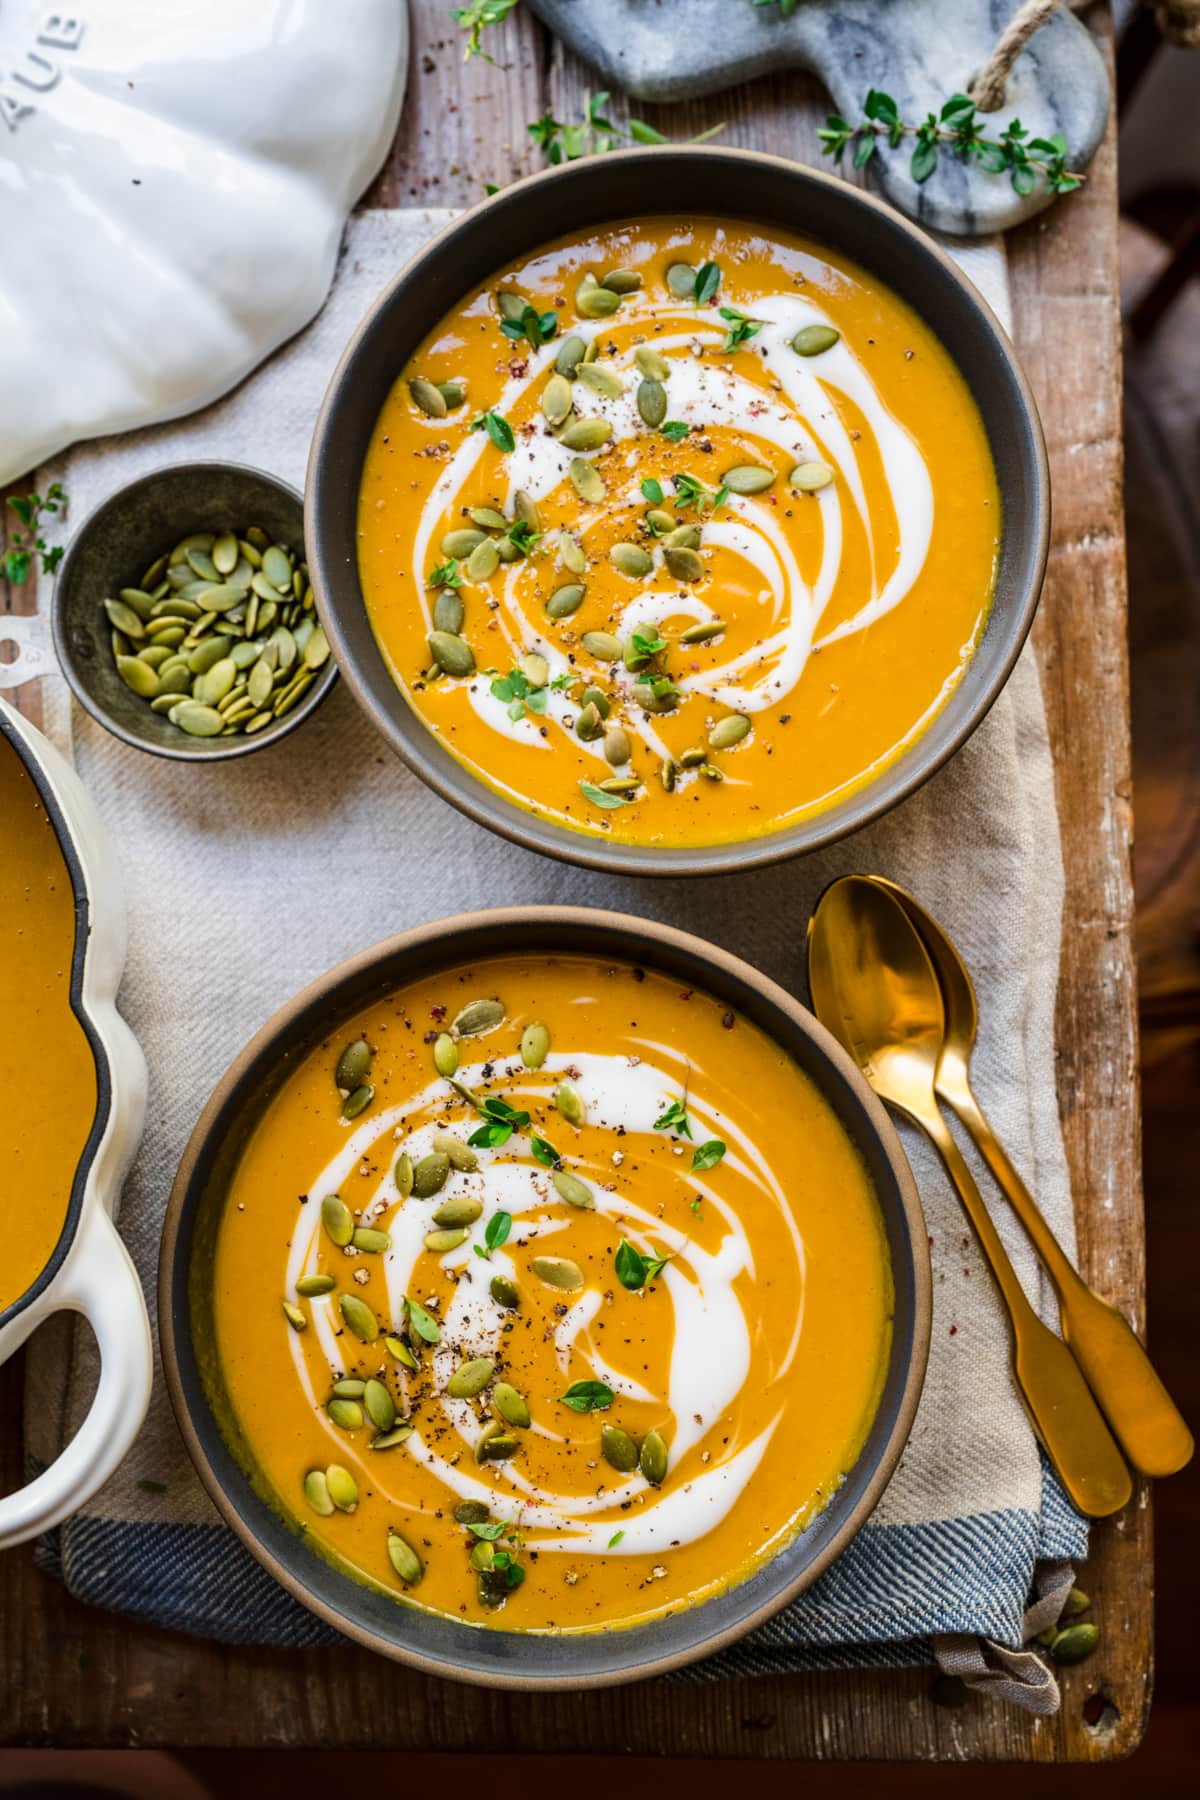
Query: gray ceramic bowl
(430,1641)
(601,189)
(112,549)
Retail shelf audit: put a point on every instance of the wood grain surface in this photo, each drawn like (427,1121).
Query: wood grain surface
(73,1676)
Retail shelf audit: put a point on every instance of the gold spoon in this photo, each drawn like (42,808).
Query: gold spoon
(874,987)
(1152,1431)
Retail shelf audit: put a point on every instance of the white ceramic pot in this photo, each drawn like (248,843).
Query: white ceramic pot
(90,1270)
(176,174)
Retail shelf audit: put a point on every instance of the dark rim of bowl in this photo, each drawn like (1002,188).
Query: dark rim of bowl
(77,552)
(217,1140)
(333,567)
(64,837)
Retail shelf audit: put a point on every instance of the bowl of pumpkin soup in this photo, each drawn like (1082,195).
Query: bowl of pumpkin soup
(72,1098)
(677,537)
(544,1298)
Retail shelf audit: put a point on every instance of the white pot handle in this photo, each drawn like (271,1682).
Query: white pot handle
(29,633)
(98,1280)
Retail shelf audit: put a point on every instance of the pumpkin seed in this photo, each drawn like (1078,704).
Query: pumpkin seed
(197,720)
(683,537)
(489,518)
(428,398)
(602,380)
(294,1316)
(260,683)
(470,1378)
(589,724)
(460,543)
(504,1292)
(358,1101)
(565,600)
(429,1175)
(748,478)
(224,598)
(404,1559)
(571,353)
(212,687)
(125,619)
(667,775)
(439,1243)
(644,695)
(400,1352)
(652,1459)
(1075,1644)
(462,1210)
(618,1449)
(557,400)
(692,759)
(510,306)
(729,731)
(571,1189)
(631,560)
(684,565)
(387,1440)
(316,1492)
(810,477)
(525,510)
(558,1272)
(370,1241)
(309,1286)
(620,784)
(602,645)
(461,1157)
(594,696)
(202,658)
(353,1066)
(166,702)
(141,602)
(1075,1603)
(617,748)
(702,633)
(570,551)
(138,676)
(569,1102)
(811,340)
(585,434)
(491,1588)
(341,1487)
(622,281)
(478,1016)
(652,401)
(659,522)
(587,481)
(507,551)
(359,1318)
(512,1407)
(379,1406)
(471,1512)
(277,567)
(454,393)
(349,1388)
(445,1054)
(681,281)
(593,301)
(449,613)
(347,1415)
(651,364)
(535,1044)
(451,653)
(495,1444)
(402,1174)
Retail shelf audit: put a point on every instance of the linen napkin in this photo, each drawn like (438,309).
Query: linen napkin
(247,879)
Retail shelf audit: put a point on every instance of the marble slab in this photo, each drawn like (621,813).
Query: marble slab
(919,51)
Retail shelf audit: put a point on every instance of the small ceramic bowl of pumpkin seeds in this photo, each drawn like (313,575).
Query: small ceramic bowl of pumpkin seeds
(183,615)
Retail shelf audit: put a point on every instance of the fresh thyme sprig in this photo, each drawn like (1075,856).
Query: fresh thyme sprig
(30,543)
(595,133)
(475,19)
(957,129)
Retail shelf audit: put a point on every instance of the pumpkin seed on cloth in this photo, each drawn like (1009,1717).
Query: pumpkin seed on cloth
(220,615)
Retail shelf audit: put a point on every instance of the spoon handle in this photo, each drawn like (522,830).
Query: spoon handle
(1049,1380)
(1152,1431)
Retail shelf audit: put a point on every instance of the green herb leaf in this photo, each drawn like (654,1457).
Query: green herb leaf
(644,645)
(708,1155)
(615,1539)
(675,1118)
(498,1228)
(489,1531)
(474,20)
(652,490)
(587,1396)
(498,429)
(708,280)
(696,1204)
(741,327)
(597,796)
(544,1152)
(423,1324)
(633,1269)
(641,133)
(675,430)
(446,575)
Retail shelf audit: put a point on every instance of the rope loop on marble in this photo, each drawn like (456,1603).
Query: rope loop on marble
(988,88)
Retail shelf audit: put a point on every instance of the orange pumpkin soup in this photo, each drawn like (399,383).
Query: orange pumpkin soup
(549,1295)
(47,1070)
(678,532)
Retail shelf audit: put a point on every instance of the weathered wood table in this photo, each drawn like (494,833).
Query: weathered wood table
(70,1675)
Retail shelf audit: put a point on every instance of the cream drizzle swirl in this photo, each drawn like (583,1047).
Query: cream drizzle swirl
(711,1354)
